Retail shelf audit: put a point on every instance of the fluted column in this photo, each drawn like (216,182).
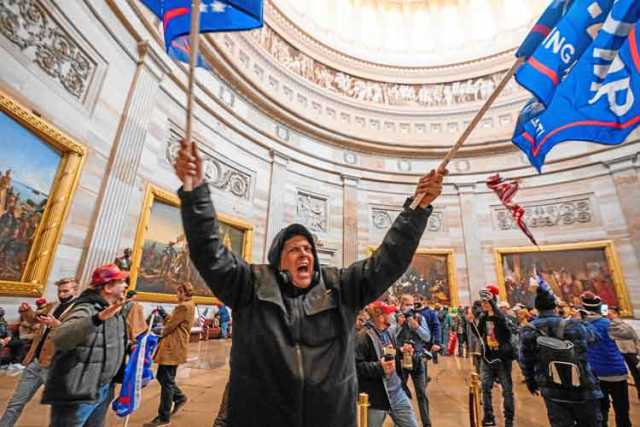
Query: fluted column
(275,213)
(624,173)
(124,160)
(350,220)
(471,239)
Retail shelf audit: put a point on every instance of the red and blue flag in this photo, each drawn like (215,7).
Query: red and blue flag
(599,100)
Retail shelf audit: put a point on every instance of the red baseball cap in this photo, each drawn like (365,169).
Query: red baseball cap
(491,287)
(386,308)
(106,274)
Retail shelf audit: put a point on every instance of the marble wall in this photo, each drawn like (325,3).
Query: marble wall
(131,113)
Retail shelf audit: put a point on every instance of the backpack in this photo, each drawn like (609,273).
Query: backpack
(558,358)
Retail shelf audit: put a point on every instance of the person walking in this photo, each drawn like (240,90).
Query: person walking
(568,385)
(172,352)
(39,356)
(628,343)
(90,346)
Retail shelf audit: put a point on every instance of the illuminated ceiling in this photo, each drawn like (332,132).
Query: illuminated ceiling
(415,32)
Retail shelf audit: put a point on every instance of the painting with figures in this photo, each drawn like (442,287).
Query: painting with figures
(570,270)
(161,259)
(28,168)
(432,275)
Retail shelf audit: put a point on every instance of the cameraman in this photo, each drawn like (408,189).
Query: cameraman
(412,329)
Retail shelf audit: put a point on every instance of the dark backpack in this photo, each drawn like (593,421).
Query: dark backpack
(558,357)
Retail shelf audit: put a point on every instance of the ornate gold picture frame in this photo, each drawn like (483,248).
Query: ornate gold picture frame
(569,269)
(161,255)
(39,171)
(432,274)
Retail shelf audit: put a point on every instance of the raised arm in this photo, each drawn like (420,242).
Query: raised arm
(226,273)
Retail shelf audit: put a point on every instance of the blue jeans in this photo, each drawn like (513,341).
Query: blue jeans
(33,377)
(83,414)
(224,329)
(499,371)
(401,412)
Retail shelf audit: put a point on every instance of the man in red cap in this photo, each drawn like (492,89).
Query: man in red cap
(378,367)
(90,348)
(497,356)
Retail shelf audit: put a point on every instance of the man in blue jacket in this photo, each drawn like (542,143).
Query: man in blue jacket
(567,405)
(607,363)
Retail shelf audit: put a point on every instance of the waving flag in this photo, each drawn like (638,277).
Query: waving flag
(137,374)
(599,101)
(549,19)
(562,47)
(506,191)
(203,317)
(215,16)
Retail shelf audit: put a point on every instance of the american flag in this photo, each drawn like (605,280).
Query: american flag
(505,191)
(203,317)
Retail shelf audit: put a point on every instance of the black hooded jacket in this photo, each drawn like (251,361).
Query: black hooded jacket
(292,359)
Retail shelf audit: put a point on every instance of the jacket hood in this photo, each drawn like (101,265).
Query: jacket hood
(91,296)
(285,234)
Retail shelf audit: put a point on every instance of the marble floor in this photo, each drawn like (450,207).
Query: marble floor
(203,379)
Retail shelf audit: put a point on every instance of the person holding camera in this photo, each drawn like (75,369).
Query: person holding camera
(412,329)
(497,356)
(378,366)
(41,351)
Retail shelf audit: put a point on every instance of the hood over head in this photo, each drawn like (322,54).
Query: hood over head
(275,251)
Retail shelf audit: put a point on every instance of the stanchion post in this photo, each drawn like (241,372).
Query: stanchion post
(363,407)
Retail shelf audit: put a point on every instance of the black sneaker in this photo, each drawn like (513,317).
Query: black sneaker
(178,405)
(157,421)
(489,422)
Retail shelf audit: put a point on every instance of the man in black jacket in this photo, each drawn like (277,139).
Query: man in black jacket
(293,344)
(497,357)
(379,376)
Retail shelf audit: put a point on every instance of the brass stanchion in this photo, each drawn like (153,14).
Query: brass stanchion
(363,407)
(474,401)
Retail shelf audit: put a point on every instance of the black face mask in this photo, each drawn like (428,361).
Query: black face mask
(66,300)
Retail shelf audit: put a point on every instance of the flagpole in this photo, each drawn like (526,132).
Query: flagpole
(465,135)
(195,39)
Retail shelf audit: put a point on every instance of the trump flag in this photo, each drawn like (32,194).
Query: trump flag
(599,101)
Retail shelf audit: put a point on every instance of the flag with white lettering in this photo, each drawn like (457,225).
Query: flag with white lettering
(541,29)
(215,16)
(599,101)
(562,47)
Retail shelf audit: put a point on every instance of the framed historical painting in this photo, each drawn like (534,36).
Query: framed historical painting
(161,255)
(432,274)
(39,171)
(570,269)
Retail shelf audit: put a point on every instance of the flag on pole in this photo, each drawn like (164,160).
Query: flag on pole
(215,16)
(137,374)
(203,317)
(506,191)
(599,101)
(577,23)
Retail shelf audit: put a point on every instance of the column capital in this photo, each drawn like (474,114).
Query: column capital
(279,158)
(622,164)
(149,56)
(350,180)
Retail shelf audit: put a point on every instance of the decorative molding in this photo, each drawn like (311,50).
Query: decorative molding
(218,173)
(548,213)
(42,40)
(378,92)
(382,218)
(312,211)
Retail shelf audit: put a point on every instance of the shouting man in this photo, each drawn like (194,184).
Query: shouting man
(292,356)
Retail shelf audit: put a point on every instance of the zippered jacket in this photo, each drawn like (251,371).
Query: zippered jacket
(292,354)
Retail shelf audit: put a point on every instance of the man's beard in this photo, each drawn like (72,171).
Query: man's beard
(66,300)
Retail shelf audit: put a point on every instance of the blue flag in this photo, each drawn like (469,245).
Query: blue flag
(137,374)
(562,47)
(599,101)
(549,19)
(180,49)
(215,16)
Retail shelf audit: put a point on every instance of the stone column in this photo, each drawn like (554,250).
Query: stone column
(124,160)
(276,209)
(624,174)
(471,239)
(350,219)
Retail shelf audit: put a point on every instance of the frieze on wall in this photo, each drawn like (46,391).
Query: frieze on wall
(383,218)
(218,173)
(312,211)
(553,213)
(30,27)
(423,95)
